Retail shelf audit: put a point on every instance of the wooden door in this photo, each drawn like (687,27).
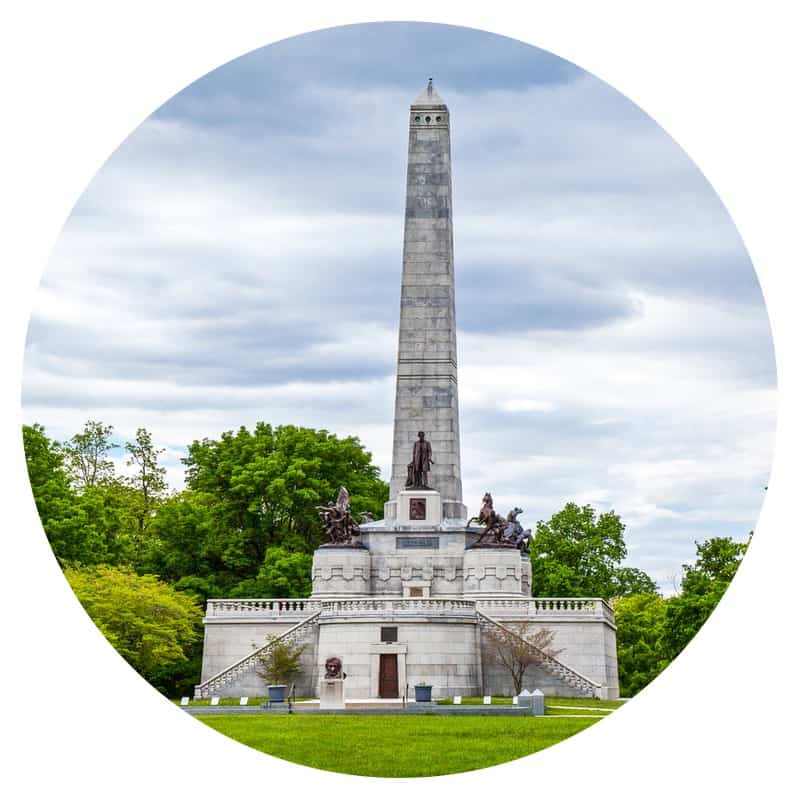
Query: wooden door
(387,683)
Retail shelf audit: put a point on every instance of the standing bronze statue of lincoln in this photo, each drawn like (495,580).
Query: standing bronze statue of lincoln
(420,465)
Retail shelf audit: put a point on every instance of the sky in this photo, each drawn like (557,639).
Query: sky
(238,259)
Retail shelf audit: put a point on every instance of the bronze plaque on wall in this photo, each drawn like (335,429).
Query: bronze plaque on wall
(416,508)
(418,542)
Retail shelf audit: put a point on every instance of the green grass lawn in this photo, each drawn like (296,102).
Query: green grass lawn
(583,702)
(369,745)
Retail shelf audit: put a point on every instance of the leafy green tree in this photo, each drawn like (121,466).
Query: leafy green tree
(148,479)
(577,553)
(66,521)
(86,455)
(702,587)
(632,581)
(110,510)
(640,620)
(283,573)
(265,486)
(155,628)
(44,459)
(181,545)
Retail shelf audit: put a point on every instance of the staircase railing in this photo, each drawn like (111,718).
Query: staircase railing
(555,667)
(238,668)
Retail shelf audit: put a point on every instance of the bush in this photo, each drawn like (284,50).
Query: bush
(280,663)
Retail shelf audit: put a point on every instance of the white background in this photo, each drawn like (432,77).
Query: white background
(721,77)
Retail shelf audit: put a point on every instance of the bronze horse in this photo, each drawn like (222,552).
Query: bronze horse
(493,522)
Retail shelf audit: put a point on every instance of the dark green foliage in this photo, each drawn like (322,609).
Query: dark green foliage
(630,580)
(283,573)
(640,628)
(652,631)
(703,585)
(280,663)
(246,526)
(264,487)
(577,554)
(88,514)
(67,521)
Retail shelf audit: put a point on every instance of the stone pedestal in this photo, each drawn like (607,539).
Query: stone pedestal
(450,510)
(494,572)
(421,507)
(331,693)
(340,571)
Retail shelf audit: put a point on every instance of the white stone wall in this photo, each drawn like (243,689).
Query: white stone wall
(442,654)
(341,572)
(588,647)
(494,571)
(227,642)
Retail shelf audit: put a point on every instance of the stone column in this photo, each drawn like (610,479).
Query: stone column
(427,379)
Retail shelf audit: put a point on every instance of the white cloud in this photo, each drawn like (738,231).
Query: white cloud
(239,260)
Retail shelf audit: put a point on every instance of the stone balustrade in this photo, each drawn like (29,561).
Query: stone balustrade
(270,608)
(382,606)
(550,607)
(502,608)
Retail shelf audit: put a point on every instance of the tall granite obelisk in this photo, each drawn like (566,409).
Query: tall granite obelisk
(427,373)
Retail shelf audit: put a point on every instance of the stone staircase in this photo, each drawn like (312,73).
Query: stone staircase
(555,667)
(217,682)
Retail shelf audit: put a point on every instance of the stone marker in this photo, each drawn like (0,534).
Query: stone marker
(525,699)
(538,703)
(457,700)
(331,693)
(487,699)
(243,701)
(184,701)
(215,701)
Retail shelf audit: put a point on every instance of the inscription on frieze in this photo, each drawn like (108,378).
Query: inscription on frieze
(417,542)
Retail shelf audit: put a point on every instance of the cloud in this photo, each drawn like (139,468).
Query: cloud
(238,258)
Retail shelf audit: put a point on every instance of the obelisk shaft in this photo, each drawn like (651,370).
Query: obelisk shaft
(427,374)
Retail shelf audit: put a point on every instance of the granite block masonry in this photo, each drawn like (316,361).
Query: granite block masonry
(426,396)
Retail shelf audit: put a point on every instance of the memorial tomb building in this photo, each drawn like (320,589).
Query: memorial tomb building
(414,597)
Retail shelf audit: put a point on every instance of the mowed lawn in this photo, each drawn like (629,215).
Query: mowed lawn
(395,746)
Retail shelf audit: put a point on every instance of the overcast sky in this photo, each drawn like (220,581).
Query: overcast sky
(238,259)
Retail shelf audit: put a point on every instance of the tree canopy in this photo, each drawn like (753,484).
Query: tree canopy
(263,486)
(652,631)
(640,631)
(578,553)
(141,557)
(245,525)
(702,587)
(87,455)
(155,628)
